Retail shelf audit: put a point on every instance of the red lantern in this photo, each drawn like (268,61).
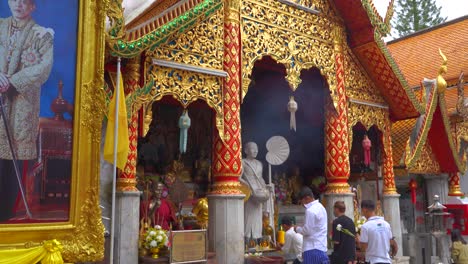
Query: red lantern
(413,186)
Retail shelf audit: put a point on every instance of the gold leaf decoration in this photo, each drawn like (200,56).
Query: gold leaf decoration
(86,243)
(297,39)
(358,83)
(367,116)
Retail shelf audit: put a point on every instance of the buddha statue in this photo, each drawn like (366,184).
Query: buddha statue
(267,230)
(202,168)
(201,212)
(295,182)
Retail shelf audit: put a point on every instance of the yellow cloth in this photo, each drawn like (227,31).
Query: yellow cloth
(460,253)
(122,141)
(48,253)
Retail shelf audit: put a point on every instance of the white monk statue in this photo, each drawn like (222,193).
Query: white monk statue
(252,176)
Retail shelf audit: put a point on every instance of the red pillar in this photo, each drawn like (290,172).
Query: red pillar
(336,131)
(388,174)
(126,181)
(227,154)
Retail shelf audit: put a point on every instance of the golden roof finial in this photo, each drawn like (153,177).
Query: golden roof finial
(389,15)
(441,83)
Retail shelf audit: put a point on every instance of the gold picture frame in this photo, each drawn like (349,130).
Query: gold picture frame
(82,236)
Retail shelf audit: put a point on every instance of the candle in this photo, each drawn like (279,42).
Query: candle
(281,235)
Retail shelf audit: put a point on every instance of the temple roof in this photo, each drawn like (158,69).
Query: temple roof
(155,15)
(417,54)
(431,130)
(418,57)
(152,22)
(364,26)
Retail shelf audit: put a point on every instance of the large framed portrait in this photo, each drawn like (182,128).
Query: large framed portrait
(51,106)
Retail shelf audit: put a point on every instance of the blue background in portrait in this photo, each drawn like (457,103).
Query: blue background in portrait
(62,17)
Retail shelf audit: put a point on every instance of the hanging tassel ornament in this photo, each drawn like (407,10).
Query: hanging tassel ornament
(412,187)
(292,108)
(184,124)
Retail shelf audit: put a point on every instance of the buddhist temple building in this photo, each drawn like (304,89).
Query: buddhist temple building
(231,107)
(435,165)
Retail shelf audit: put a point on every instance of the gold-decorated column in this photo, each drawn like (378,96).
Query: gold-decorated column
(336,128)
(225,202)
(388,173)
(391,198)
(227,152)
(126,180)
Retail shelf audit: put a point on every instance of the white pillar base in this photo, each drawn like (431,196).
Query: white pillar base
(391,209)
(331,198)
(127,214)
(226,228)
(401,260)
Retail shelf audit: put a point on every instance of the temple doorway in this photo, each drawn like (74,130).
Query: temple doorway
(264,113)
(365,159)
(164,169)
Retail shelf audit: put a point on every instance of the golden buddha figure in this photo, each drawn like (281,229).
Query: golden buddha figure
(201,212)
(267,230)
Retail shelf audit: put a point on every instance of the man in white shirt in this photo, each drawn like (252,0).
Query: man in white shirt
(314,230)
(292,241)
(375,235)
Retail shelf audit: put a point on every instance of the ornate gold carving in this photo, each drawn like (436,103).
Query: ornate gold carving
(338,187)
(92,107)
(148,112)
(86,242)
(447,126)
(227,188)
(116,20)
(367,116)
(232,11)
(132,73)
(126,184)
(460,132)
(294,38)
(200,46)
(187,87)
(462,108)
(388,18)
(83,234)
(338,39)
(357,82)
(426,163)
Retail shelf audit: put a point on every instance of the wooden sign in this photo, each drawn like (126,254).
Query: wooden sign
(189,246)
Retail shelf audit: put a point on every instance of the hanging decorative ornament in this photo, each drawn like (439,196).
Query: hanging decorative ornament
(292,108)
(413,186)
(184,124)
